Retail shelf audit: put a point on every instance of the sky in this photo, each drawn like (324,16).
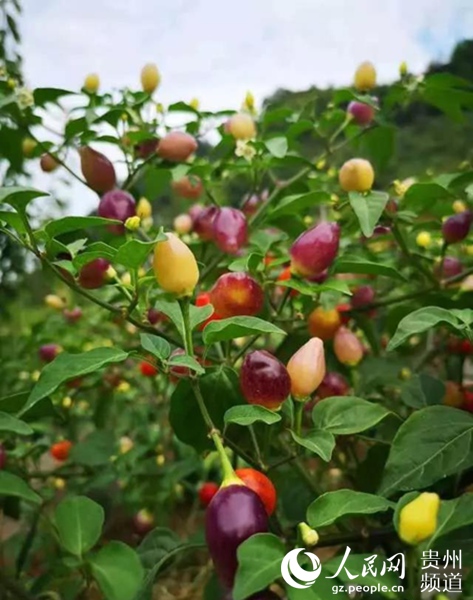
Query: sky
(216,50)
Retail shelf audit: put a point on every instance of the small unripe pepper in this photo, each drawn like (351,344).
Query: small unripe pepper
(418,519)
(347,347)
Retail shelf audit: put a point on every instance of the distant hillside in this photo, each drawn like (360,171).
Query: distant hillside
(426,139)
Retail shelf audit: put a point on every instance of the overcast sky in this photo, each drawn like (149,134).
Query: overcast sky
(215,50)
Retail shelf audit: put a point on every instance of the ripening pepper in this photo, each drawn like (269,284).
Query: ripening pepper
(347,347)
(418,519)
(175,266)
(324,323)
(306,369)
(315,249)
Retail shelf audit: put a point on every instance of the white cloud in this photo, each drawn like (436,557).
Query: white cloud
(215,49)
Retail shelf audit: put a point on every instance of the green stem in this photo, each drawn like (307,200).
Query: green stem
(229,476)
(257,448)
(298,412)
(412,575)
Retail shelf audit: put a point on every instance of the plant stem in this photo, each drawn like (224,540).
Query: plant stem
(257,448)
(412,577)
(27,543)
(298,412)
(228,472)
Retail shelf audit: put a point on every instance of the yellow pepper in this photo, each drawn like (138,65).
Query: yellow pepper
(175,266)
(418,519)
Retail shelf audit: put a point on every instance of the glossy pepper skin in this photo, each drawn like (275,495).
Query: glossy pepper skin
(93,274)
(306,369)
(234,514)
(175,266)
(203,222)
(315,249)
(418,519)
(236,294)
(264,380)
(60,450)
(97,170)
(324,323)
(118,205)
(457,227)
(261,485)
(207,491)
(347,347)
(230,230)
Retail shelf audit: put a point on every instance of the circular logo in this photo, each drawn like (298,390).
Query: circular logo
(290,566)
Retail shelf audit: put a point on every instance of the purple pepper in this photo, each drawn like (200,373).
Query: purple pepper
(230,229)
(48,352)
(119,205)
(449,267)
(234,514)
(315,249)
(264,380)
(363,296)
(203,222)
(456,228)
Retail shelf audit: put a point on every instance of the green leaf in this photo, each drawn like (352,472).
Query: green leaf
(95,250)
(346,415)
(354,264)
(11,424)
(19,197)
(378,145)
(199,314)
(79,521)
(172,310)
(234,327)
(259,564)
(294,204)
(368,208)
(156,345)
(421,320)
(425,196)
(132,254)
(277,146)
(221,390)
(156,545)
(248,414)
(317,441)
(69,366)
(94,450)
(433,443)
(453,515)
(331,506)
(155,552)
(11,485)
(69,224)
(14,220)
(44,95)
(117,570)
(422,390)
(183,360)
